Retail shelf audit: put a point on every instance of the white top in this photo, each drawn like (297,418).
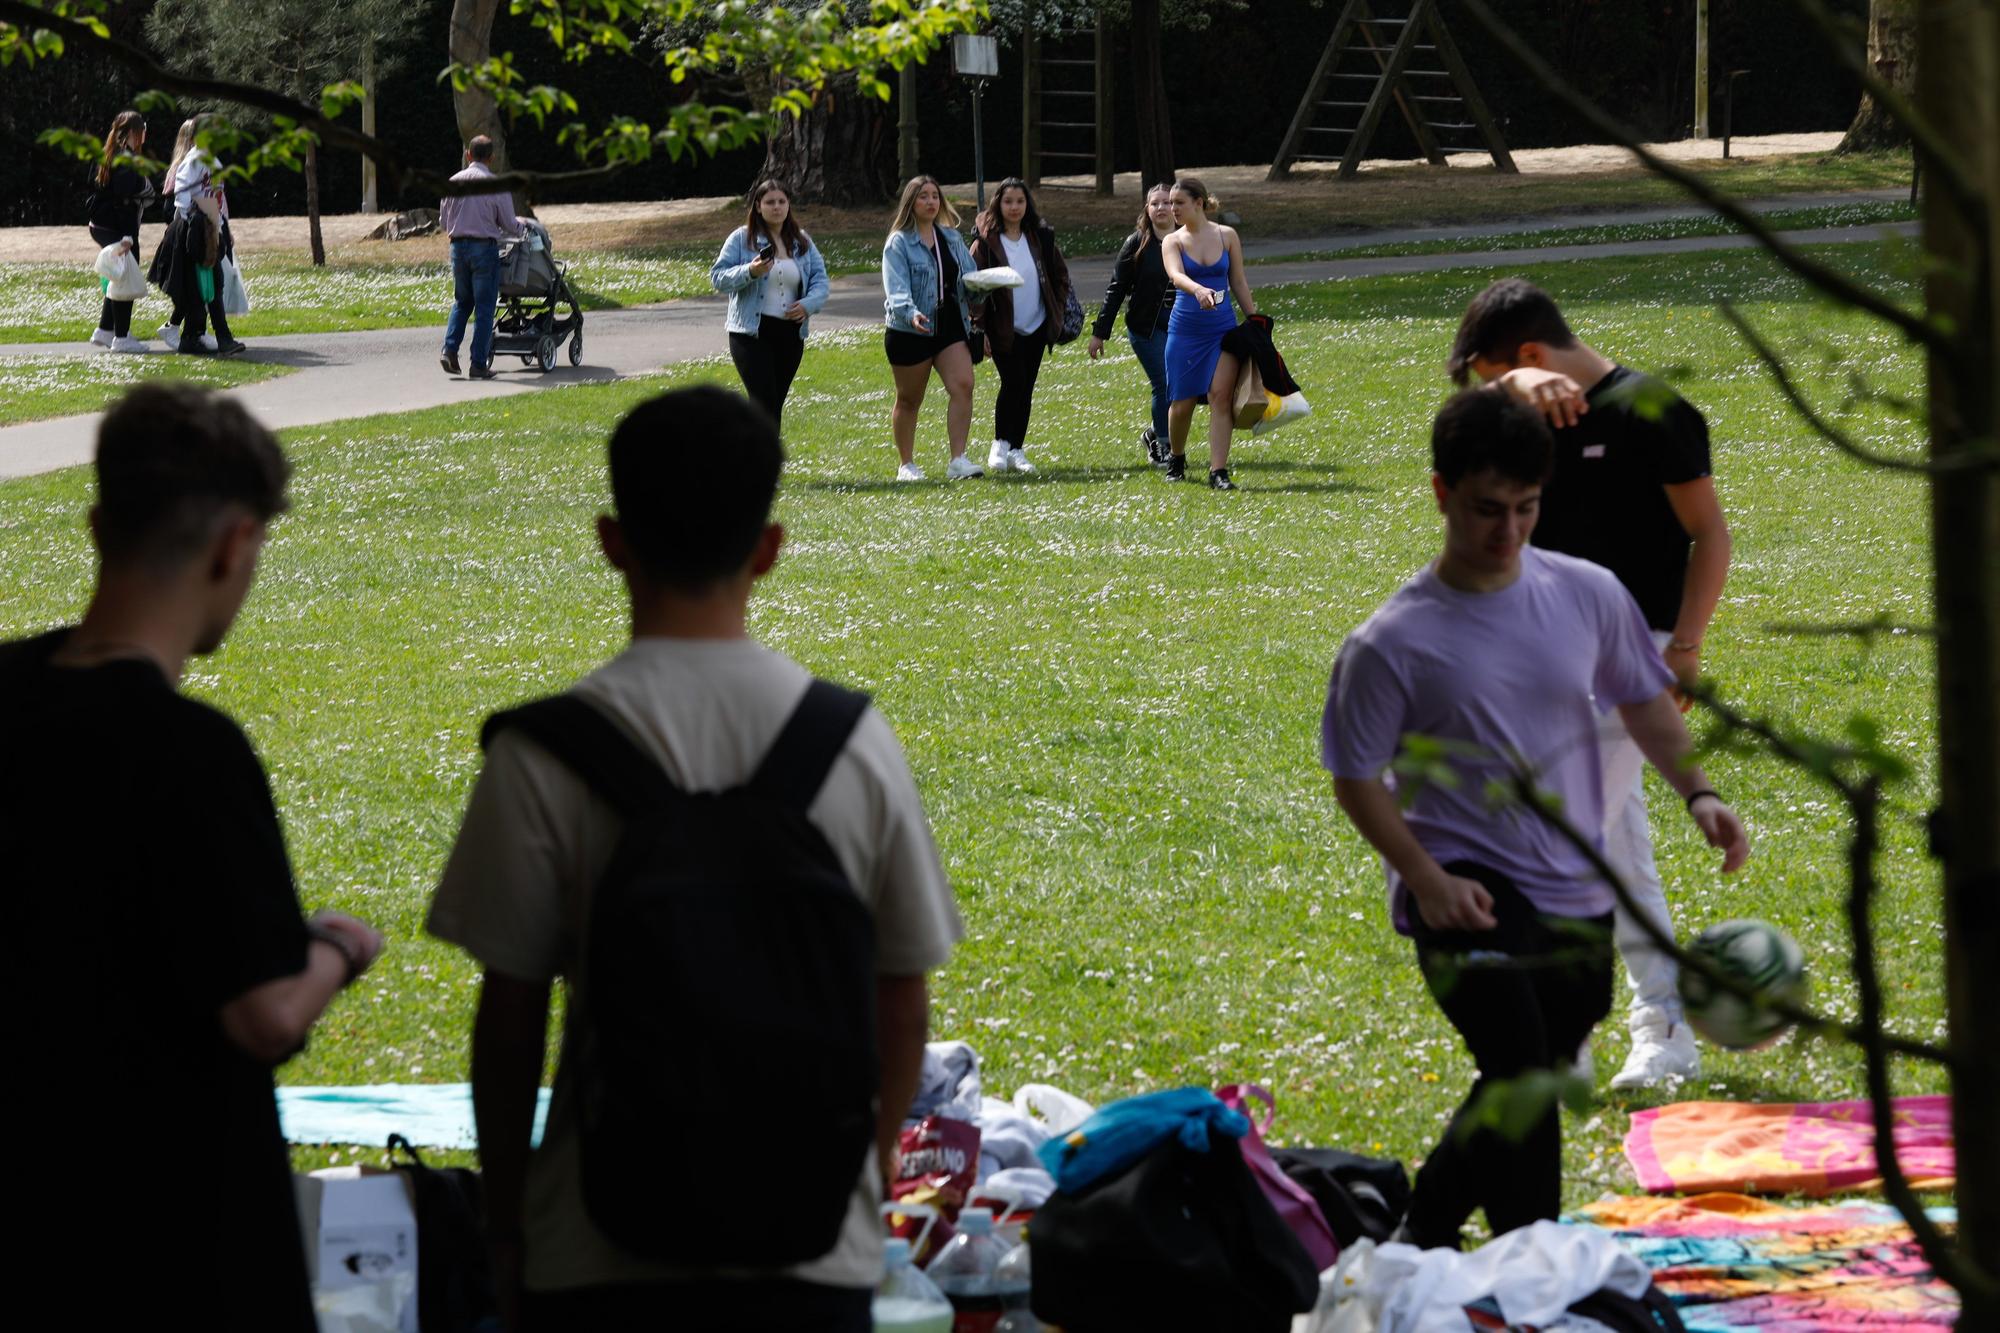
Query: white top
(1028,311)
(781,288)
(536,840)
(194,179)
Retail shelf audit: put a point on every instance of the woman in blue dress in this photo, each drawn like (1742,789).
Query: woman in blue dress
(1204,262)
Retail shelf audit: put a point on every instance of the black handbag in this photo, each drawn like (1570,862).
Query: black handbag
(1178,1240)
(1362,1197)
(455,1292)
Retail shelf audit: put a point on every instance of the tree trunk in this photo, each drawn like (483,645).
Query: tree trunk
(1149,96)
(1892,51)
(1956,69)
(472,44)
(831,154)
(312,206)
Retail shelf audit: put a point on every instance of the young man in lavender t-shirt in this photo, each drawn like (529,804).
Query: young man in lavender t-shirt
(1506,652)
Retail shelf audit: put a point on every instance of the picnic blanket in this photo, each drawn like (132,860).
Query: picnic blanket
(1728,1262)
(429,1115)
(1803,1148)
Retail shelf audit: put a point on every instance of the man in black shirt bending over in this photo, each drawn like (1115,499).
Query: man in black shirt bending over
(1632,492)
(163,966)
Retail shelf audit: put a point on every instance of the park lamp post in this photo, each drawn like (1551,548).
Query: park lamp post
(976,57)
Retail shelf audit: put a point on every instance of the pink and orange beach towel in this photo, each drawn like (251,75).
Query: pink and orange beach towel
(1806,1147)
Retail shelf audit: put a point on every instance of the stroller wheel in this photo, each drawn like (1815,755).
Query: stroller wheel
(576,347)
(545,352)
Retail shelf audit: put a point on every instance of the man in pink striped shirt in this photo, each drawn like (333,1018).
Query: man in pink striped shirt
(476,224)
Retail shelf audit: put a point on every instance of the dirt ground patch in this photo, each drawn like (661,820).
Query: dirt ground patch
(1314,201)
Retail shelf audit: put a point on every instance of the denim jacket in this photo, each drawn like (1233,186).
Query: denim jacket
(910,279)
(731,276)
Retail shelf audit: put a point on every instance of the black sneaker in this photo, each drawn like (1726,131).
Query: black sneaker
(232,348)
(449,364)
(1218,479)
(1156,450)
(485,372)
(1176,467)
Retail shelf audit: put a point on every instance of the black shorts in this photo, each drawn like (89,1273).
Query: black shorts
(913,349)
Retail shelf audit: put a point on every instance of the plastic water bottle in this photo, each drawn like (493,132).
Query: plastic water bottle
(1015,1281)
(967,1273)
(907,1301)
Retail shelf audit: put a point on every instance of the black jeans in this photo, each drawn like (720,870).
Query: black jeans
(1513,1019)
(712,1306)
(1019,366)
(195,322)
(767,362)
(115,317)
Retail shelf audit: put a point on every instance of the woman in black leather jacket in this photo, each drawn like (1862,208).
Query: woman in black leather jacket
(1140,278)
(118,195)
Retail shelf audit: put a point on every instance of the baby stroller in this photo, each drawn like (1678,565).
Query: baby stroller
(533,284)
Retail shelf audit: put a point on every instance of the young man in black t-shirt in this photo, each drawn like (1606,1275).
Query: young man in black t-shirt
(165,967)
(1632,491)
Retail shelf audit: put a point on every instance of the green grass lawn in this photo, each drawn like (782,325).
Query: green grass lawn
(32,388)
(1109,687)
(1864,212)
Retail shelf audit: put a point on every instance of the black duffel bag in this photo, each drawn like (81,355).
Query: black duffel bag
(1178,1240)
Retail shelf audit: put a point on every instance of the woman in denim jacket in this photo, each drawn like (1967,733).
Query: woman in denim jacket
(929,317)
(776,281)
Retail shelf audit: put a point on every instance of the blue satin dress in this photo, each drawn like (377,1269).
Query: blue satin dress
(1194,335)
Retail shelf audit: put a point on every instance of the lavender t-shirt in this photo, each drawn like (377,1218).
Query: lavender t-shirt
(1518,673)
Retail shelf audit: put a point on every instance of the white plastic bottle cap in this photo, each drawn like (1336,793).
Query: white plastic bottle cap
(895,1252)
(976,1221)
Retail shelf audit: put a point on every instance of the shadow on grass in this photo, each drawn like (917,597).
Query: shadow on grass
(1050,474)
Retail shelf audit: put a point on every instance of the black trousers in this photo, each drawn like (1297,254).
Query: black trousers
(115,317)
(1532,1014)
(1019,366)
(767,362)
(195,322)
(713,1307)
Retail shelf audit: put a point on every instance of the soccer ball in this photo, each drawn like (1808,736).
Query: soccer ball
(1760,954)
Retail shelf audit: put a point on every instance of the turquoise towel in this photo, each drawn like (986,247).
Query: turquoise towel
(430,1115)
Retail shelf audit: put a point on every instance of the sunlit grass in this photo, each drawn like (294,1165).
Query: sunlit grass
(33,388)
(1109,687)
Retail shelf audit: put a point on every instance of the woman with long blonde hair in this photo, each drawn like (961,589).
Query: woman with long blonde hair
(929,317)
(188,267)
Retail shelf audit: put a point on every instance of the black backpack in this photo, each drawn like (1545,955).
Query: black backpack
(1178,1240)
(729,1042)
(454,1275)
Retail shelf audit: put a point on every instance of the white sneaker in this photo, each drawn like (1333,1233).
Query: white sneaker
(169,335)
(1282,412)
(1017,461)
(129,344)
(101,337)
(1663,1051)
(909,472)
(961,468)
(1000,457)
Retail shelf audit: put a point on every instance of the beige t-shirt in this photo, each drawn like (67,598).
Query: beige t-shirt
(536,839)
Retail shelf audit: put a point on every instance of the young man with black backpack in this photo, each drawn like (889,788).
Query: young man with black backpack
(729,865)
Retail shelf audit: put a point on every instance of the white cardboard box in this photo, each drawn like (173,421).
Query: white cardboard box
(360,1232)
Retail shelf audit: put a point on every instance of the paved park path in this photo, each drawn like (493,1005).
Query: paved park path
(341,376)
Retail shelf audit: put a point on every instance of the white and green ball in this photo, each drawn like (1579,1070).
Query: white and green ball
(1761,955)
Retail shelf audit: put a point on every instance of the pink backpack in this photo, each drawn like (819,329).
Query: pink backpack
(1296,1207)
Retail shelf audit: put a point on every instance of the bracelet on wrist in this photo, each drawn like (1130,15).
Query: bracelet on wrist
(340,946)
(1682,646)
(1694,796)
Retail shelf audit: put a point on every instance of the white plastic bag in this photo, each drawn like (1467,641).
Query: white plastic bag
(117,267)
(1055,1110)
(235,296)
(992,279)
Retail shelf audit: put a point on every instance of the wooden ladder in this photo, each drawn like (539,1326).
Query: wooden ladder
(1066,95)
(1374,59)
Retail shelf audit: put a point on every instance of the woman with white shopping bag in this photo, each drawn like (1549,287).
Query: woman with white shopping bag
(119,195)
(196,250)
